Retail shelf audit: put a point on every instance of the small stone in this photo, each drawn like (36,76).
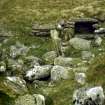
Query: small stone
(98,41)
(2,67)
(80,78)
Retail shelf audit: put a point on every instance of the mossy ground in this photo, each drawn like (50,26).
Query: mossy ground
(18,16)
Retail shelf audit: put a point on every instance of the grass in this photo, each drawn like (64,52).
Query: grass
(96,71)
(18,16)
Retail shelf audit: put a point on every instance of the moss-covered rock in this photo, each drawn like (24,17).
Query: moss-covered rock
(13,86)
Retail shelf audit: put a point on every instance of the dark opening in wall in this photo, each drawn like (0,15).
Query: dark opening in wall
(84,28)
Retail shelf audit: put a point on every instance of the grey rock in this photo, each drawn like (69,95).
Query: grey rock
(59,72)
(49,57)
(98,41)
(100,31)
(80,78)
(13,86)
(91,96)
(38,72)
(80,44)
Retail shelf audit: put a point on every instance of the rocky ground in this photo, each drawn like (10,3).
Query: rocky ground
(52,76)
(31,72)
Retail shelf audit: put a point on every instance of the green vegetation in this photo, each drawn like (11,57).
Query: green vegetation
(18,16)
(96,71)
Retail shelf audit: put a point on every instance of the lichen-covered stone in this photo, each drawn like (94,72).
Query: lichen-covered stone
(49,57)
(89,96)
(80,78)
(59,73)
(13,86)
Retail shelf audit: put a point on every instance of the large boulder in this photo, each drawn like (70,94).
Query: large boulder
(80,44)
(66,61)
(89,96)
(38,72)
(35,99)
(59,72)
(13,86)
(49,57)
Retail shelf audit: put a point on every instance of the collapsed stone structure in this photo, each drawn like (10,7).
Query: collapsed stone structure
(84,27)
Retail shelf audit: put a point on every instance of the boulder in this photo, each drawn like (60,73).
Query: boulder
(13,86)
(49,57)
(80,44)
(38,72)
(89,96)
(66,61)
(59,72)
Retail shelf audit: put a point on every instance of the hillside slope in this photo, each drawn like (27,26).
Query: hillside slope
(19,15)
